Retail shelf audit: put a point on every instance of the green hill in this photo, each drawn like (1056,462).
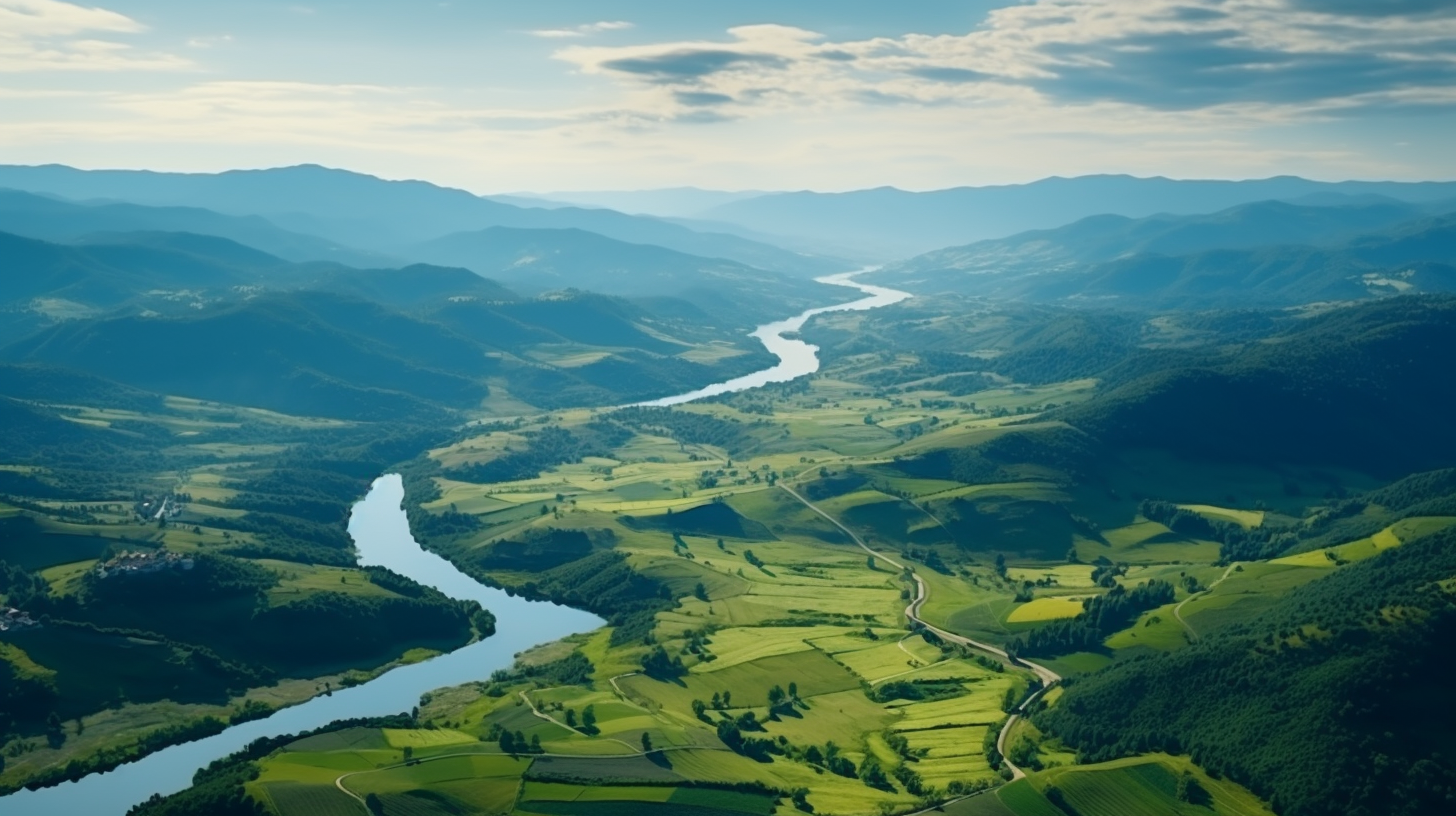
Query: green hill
(1363,387)
(1262,254)
(1327,703)
(538,260)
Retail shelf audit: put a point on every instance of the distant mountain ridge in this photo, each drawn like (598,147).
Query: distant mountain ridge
(52,219)
(205,317)
(891,224)
(380,215)
(1260,254)
(537,260)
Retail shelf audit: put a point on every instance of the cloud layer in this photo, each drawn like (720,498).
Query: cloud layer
(48,35)
(1161,55)
(1223,88)
(582,30)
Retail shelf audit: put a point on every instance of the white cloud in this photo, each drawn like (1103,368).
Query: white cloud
(51,18)
(1154,54)
(48,35)
(582,30)
(1040,88)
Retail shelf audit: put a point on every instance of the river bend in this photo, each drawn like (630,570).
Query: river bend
(382,536)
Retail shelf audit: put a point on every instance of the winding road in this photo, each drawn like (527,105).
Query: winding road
(912,612)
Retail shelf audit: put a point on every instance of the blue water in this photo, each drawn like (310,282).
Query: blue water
(381,533)
(796,358)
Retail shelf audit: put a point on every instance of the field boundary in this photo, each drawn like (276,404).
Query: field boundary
(922,593)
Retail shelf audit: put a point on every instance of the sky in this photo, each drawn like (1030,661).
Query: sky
(634,94)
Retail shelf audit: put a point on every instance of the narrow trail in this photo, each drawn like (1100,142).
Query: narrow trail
(547,717)
(912,612)
(1178,610)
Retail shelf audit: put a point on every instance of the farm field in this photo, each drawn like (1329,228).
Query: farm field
(1139,786)
(754,652)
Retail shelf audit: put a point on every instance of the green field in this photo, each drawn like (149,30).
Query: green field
(1140,786)
(781,641)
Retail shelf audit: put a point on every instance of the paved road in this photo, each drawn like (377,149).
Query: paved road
(912,612)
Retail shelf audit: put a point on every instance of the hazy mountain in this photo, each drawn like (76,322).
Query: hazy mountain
(52,219)
(673,202)
(168,271)
(891,223)
(1105,237)
(205,317)
(537,260)
(365,211)
(1267,253)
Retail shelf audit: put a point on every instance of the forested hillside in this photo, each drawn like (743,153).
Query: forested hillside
(1364,387)
(1266,254)
(1330,704)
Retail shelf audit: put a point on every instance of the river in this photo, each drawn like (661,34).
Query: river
(796,358)
(382,536)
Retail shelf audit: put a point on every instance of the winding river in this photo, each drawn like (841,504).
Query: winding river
(382,536)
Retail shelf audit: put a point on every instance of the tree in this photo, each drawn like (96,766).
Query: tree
(700,592)
(570,718)
(775,695)
(870,562)
(1054,795)
(1001,565)
(508,742)
(873,775)
(409,753)
(800,799)
(646,743)
(589,719)
(1190,791)
(727,699)
(536,744)
(793,690)
(700,710)
(659,665)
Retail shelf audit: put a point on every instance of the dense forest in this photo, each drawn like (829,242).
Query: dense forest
(1330,704)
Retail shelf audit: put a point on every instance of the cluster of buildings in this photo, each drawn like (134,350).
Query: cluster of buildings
(12,619)
(143,563)
(158,509)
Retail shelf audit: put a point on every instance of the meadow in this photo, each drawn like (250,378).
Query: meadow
(755,656)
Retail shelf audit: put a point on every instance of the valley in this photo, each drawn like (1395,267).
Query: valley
(749,627)
(1014,539)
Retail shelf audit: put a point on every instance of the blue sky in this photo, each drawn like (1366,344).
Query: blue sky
(558,94)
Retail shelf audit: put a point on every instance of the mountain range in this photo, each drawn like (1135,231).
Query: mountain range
(1267,253)
(888,224)
(205,317)
(377,215)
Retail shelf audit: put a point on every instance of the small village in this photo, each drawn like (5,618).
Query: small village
(142,563)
